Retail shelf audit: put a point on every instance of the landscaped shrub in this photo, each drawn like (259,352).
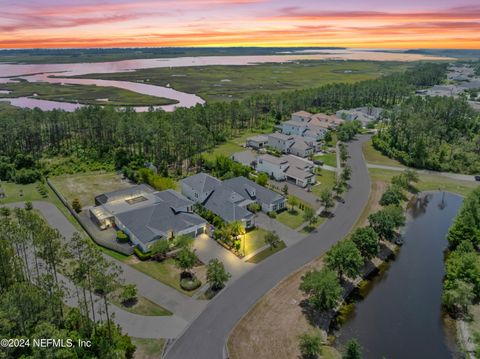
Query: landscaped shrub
(26,176)
(190,283)
(142,256)
(77,207)
(254,207)
(122,237)
(272,214)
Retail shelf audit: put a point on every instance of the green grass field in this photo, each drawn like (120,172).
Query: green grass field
(226,83)
(429,182)
(254,240)
(376,157)
(143,306)
(267,252)
(329,159)
(84,94)
(148,348)
(326,180)
(166,272)
(229,147)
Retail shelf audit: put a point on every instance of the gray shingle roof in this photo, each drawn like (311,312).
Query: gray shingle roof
(154,216)
(224,202)
(243,186)
(202,182)
(155,221)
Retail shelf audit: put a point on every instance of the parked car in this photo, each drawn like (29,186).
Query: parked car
(318,162)
(477,178)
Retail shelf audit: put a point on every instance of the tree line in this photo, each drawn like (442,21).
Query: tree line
(107,135)
(461,285)
(32,295)
(437,133)
(345,261)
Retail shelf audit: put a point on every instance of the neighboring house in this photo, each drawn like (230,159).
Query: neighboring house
(257,142)
(229,199)
(280,141)
(316,120)
(308,131)
(146,215)
(363,114)
(269,200)
(275,167)
(246,158)
(287,168)
(296,145)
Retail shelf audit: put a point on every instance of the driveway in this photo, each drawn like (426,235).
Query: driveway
(184,307)
(207,249)
(299,192)
(205,338)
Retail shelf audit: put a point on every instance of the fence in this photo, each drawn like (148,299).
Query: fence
(107,244)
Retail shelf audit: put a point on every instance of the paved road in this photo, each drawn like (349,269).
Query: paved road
(205,338)
(456,176)
(184,307)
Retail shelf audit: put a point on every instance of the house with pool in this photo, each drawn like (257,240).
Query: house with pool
(147,215)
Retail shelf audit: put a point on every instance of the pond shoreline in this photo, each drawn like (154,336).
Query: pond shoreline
(375,274)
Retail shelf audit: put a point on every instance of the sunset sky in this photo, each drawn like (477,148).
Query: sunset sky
(349,23)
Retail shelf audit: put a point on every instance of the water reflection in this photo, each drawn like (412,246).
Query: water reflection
(401,314)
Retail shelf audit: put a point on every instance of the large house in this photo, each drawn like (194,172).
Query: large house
(296,145)
(147,215)
(287,168)
(365,114)
(229,199)
(317,119)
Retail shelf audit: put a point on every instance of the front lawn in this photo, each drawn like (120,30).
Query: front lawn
(325,180)
(254,240)
(329,159)
(267,252)
(166,272)
(292,219)
(143,306)
(85,186)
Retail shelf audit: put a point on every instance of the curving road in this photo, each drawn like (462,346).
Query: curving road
(205,338)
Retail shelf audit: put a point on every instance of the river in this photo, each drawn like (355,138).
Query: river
(45,73)
(400,316)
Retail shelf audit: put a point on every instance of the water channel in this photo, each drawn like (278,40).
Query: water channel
(400,315)
(50,72)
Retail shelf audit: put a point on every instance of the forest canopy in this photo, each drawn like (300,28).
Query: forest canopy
(437,133)
(100,133)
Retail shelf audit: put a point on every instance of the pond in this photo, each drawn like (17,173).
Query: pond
(401,315)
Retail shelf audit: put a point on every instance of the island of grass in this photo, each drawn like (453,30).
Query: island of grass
(226,83)
(83,94)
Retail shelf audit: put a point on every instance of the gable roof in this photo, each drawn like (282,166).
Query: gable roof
(280,136)
(272,159)
(155,221)
(302,113)
(244,187)
(151,215)
(202,182)
(224,202)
